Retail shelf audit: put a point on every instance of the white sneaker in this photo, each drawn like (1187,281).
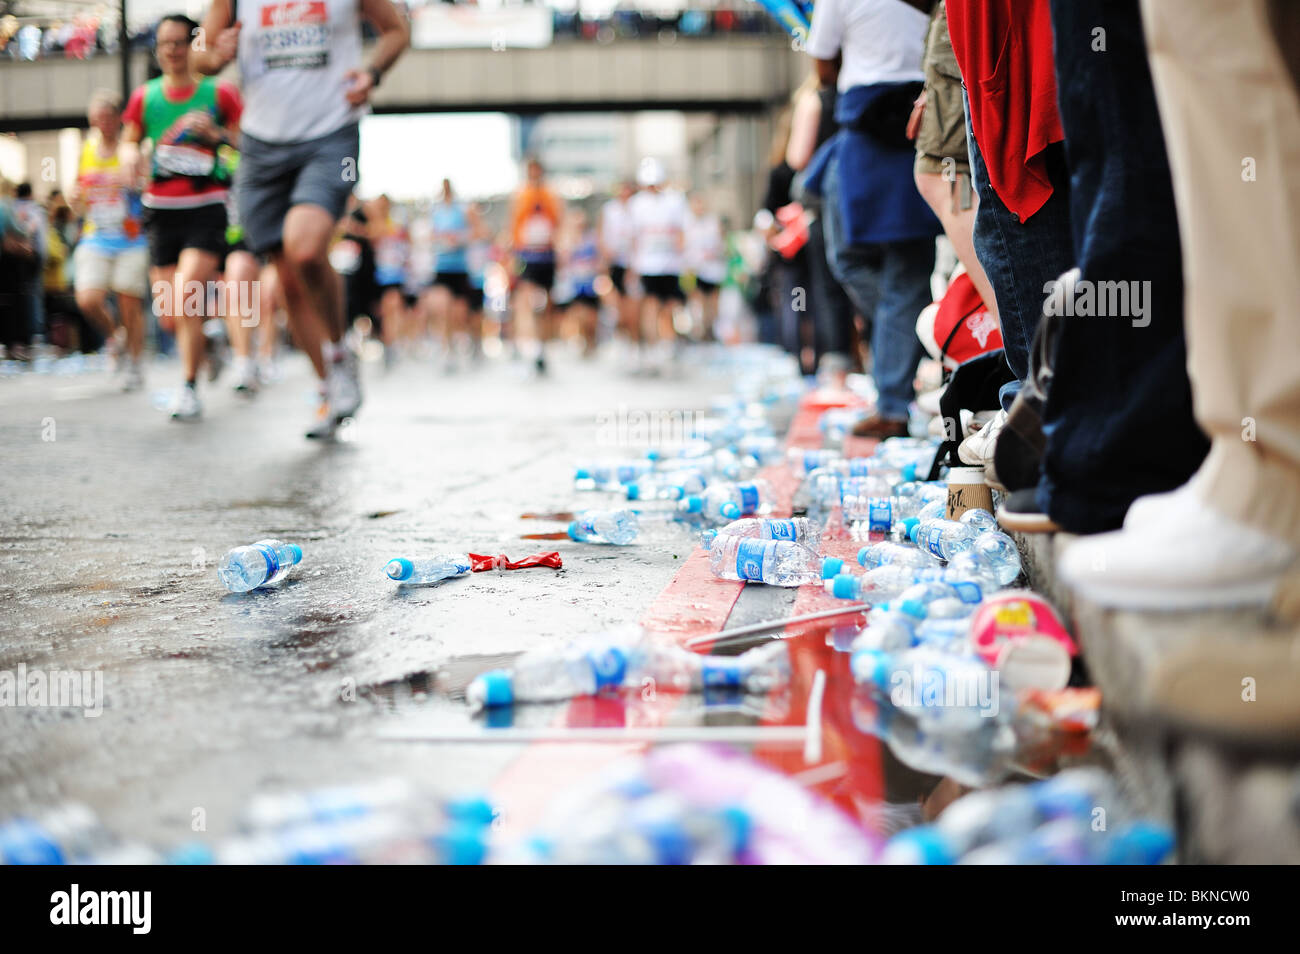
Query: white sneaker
(132,377)
(324,424)
(1149,510)
(343,387)
(977,450)
(1188,557)
(929,400)
(185,405)
(245,372)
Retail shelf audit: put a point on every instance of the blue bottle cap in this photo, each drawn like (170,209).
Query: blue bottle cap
(475,810)
(399,569)
(912,527)
(742,829)
(845,587)
(1139,843)
(921,845)
(582,474)
(575,533)
(831,567)
(297,552)
(461,844)
(908,473)
(729,510)
(490,689)
(869,666)
(192,853)
(912,608)
(694,504)
(862,556)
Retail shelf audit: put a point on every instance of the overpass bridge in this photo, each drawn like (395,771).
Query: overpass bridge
(726,74)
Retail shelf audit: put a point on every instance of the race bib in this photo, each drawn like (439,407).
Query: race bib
(537,230)
(295,35)
(184,160)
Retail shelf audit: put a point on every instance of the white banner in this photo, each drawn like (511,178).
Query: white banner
(442,26)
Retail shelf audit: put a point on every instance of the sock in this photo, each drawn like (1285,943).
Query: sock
(189,383)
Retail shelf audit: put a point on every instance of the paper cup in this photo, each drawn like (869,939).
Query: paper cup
(967,491)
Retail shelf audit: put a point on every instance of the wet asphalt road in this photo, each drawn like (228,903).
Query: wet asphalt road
(112,520)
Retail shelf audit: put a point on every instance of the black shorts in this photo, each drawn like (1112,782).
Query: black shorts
(541,274)
(171,230)
(455,282)
(475,298)
(591,301)
(663,287)
(618,276)
(705,286)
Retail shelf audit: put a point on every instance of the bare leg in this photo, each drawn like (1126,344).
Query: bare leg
(132,311)
(313,291)
(959,226)
(243,302)
(190,282)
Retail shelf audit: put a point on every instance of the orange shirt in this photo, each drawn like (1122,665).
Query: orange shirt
(534,219)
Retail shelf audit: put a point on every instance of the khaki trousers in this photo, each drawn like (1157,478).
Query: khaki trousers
(1231,117)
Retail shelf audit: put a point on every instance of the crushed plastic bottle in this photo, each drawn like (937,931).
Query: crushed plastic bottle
(266,561)
(943,538)
(609,474)
(1000,553)
(731,501)
(619,527)
(798,529)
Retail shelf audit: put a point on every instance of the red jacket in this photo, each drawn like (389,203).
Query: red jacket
(1004,49)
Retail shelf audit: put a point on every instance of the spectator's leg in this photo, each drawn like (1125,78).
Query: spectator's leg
(895,349)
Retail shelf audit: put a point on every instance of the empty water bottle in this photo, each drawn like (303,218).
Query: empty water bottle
(604,526)
(587,667)
(943,538)
(731,501)
(804,460)
(609,474)
(668,486)
(443,566)
(889,553)
(58,836)
(979,520)
(876,586)
(1000,553)
(943,692)
(775,562)
(266,561)
(799,529)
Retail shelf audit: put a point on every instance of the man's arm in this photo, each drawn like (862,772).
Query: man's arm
(394,37)
(224,42)
(828,71)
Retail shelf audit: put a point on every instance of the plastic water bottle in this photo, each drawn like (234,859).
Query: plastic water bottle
(774,562)
(943,538)
(57,836)
(882,583)
(605,526)
(941,691)
(804,460)
(587,667)
(979,520)
(266,561)
(671,486)
(887,630)
(799,529)
(444,566)
(731,501)
(609,475)
(999,553)
(819,493)
(937,600)
(889,553)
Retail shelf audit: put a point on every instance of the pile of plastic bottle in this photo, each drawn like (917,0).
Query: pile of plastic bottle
(1074,818)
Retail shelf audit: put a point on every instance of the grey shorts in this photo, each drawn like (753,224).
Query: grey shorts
(274,177)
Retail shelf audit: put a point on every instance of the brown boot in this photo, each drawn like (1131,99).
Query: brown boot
(881,427)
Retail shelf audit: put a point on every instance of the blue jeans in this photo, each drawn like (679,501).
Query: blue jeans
(889,284)
(1020,257)
(1118,416)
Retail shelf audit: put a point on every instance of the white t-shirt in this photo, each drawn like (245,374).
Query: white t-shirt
(616,230)
(658,221)
(293,55)
(705,249)
(882,40)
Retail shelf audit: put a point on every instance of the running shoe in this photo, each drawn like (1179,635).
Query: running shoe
(185,405)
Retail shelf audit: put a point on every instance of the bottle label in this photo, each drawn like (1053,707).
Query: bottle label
(779,529)
(859,467)
(750,557)
(608,665)
(880,514)
(968,592)
(721,672)
(931,539)
(272,560)
(811,461)
(748,498)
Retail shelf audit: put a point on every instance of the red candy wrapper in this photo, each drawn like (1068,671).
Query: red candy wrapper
(479,562)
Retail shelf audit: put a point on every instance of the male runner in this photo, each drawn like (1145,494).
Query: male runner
(306,88)
(615,229)
(534,219)
(186,118)
(658,226)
